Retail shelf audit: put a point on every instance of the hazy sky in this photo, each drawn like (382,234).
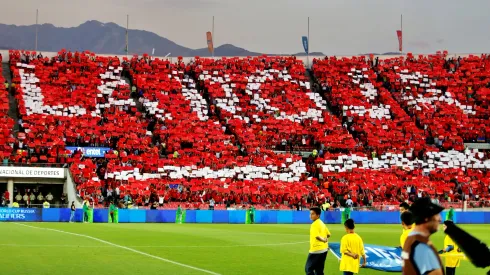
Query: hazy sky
(276,26)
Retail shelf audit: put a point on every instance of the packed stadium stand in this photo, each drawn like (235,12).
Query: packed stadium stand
(7,139)
(379,131)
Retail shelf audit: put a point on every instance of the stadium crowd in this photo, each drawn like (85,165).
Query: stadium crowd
(379,131)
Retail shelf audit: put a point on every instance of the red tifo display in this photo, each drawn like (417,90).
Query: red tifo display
(374,127)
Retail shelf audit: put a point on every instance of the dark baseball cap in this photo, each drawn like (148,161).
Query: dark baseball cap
(424,208)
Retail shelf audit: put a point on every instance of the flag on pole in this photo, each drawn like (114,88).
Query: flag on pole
(126,47)
(209,38)
(305,43)
(400,40)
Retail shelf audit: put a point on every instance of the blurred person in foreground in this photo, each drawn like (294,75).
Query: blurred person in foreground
(404,207)
(419,255)
(474,249)
(352,249)
(319,235)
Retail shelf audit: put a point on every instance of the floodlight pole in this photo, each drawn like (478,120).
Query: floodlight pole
(127,35)
(309,46)
(212,36)
(37,27)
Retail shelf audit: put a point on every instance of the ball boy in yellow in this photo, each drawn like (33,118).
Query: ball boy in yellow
(352,248)
(452,254)
(319,235)
(407,224)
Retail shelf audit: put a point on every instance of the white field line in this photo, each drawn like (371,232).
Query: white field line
(123,247)
(155,246)
(336,256)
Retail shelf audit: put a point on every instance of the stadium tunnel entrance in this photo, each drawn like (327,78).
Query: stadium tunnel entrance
(37,193)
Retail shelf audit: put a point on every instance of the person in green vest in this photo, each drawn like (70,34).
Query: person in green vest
(346,214)
(15,204)
(46,204)
(450,214)
(85,211)
(178,217)
(112,210)
(252,214)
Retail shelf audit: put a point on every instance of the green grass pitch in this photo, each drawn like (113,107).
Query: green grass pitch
(180,248)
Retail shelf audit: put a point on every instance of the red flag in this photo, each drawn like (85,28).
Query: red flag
(209,37)
(400,40)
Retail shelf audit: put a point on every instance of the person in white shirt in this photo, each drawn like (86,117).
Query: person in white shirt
(32,197)
(211,204)
(49,197)
(349,202)
(160,200)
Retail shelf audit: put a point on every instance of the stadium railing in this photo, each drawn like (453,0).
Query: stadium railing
(37,205)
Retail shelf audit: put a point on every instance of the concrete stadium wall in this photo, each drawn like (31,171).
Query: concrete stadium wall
(220,216)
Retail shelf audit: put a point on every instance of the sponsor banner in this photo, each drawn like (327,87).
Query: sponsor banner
(90,152)
(379,257)
(305,43)
(382,258)
(31,172)
(21,214)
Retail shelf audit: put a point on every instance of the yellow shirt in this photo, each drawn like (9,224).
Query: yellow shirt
(318,228)
(404,236)
(351,243)
(15,205)
(451,261)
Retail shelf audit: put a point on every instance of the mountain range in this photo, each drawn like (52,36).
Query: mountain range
(105,38)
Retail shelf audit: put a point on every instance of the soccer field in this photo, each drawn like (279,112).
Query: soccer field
(29,248)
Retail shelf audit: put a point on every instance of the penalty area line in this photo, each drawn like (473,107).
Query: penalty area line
(122,247)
